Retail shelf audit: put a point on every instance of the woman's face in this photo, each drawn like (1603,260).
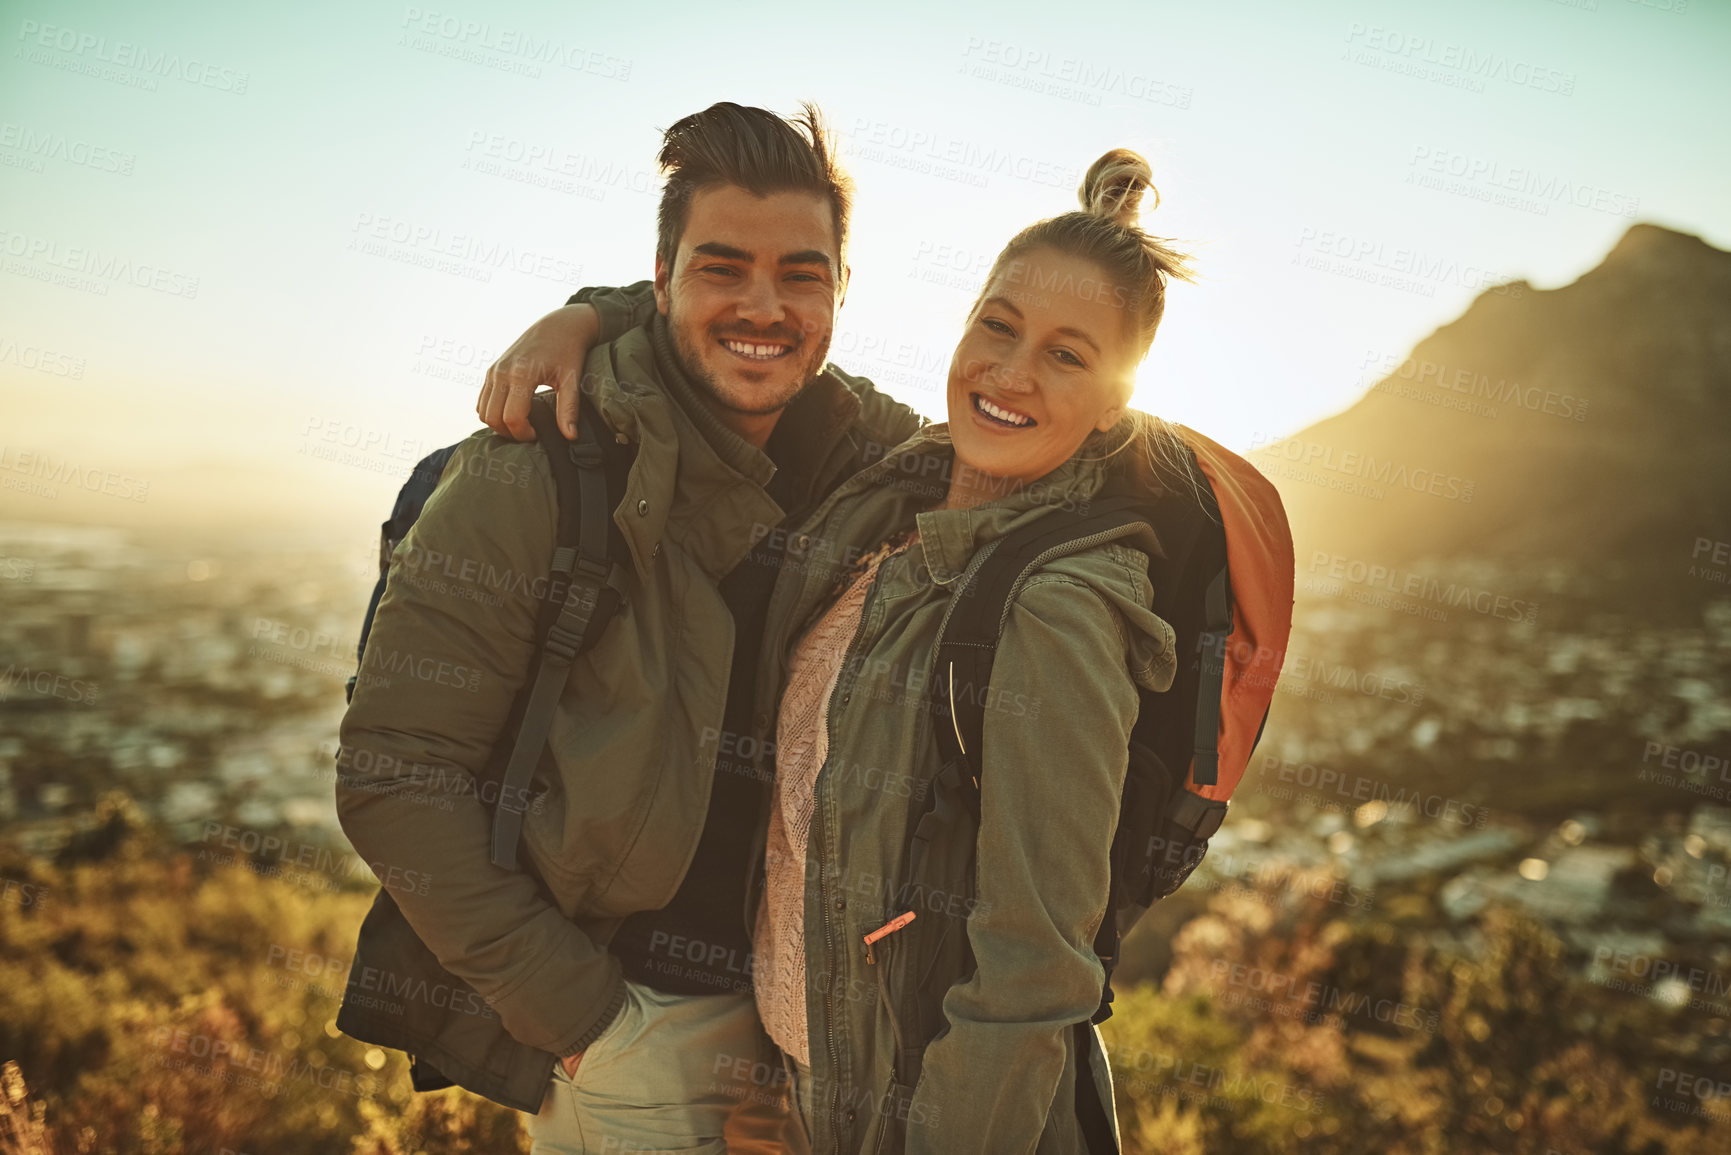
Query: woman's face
(1045,360)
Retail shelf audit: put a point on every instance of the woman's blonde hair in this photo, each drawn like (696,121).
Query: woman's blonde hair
(1107,232)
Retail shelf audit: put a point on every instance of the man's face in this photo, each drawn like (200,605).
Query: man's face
(752,295)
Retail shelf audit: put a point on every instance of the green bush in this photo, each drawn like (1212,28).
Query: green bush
(1283,1027)
(145,1004)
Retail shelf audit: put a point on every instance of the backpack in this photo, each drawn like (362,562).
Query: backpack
(1222,575)
(583,591)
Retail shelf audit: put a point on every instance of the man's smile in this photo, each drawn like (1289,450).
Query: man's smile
(756,350)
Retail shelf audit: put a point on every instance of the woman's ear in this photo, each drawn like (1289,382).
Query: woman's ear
(1126,389)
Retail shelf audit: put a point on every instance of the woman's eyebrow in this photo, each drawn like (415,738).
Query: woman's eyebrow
(1067,331)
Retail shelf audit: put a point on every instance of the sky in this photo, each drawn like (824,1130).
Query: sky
(260,258)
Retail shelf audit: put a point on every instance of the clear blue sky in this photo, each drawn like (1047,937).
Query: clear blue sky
(304,164)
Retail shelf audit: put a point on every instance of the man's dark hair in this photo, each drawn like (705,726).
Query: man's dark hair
(755,149)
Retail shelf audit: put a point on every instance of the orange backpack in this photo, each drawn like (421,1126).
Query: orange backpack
(1223,579)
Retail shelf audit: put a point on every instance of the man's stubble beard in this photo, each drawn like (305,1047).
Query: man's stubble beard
(692,362)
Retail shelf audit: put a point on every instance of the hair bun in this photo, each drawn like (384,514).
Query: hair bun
(1114,185)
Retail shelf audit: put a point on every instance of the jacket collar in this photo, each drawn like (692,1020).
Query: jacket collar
(693,478)
(949,538)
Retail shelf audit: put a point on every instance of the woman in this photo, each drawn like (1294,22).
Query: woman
(1001,958)
(1037,396)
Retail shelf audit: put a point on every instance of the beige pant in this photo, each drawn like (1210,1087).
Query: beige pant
(693,1074)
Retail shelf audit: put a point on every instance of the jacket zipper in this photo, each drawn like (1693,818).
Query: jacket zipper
(846,678)
(891,1100)
(779,656)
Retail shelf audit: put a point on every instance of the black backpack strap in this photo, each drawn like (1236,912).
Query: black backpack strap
(584,589)
(1217,626)
(968,646)
(1163,826)
(1106,943)
(1091,1112)
(966,652)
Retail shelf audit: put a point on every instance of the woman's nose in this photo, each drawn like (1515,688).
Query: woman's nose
(1013,374)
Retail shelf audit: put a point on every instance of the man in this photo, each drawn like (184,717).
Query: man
(622,948)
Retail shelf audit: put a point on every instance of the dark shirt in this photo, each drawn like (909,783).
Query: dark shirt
(699,943)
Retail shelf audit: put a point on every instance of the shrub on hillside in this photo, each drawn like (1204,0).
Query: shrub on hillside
(1283,1028)
(156,1000)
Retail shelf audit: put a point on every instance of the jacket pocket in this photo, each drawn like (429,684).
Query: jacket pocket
(604,1044)
(398,996)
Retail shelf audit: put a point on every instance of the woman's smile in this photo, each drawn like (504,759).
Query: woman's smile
(1034,374)
(994,416)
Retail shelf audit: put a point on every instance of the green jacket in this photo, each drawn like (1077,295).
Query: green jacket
(1000,1075)
(621,798)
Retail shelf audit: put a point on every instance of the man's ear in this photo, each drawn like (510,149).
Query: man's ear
(841,286)
(663,274)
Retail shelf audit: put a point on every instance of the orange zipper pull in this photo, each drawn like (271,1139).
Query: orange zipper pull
(887,928)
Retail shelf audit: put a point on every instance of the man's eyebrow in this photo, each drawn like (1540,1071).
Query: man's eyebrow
(717,249)
(806,257)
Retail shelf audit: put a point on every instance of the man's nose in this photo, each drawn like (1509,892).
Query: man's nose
(760,302)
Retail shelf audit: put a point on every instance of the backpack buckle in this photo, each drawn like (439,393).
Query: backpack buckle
(562,643)
(1197,816)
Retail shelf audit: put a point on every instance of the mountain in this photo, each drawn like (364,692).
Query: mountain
(1586,425)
